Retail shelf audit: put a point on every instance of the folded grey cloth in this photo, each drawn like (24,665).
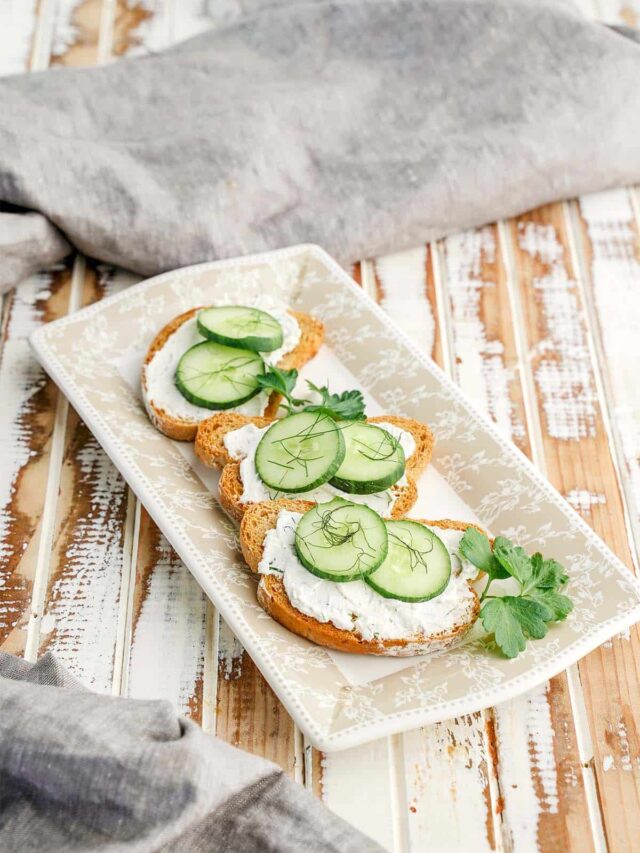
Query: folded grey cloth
(363,126)
(82,772)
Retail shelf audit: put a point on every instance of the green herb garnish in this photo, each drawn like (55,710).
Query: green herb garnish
(283,382)
(348,406)
(513,619)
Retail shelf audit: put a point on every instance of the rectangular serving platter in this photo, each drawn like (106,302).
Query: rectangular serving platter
(474,464)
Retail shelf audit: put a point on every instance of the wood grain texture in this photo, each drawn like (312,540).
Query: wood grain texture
(26,426)
(540,804)
(578,460)
(609,235)
(168,631)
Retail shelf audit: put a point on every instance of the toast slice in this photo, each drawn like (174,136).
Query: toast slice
(272,596)
(182,429)
(210,449)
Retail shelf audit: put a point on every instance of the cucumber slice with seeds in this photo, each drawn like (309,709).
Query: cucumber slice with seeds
(417,566)
(218,377)
(300,452)
(341,541)
(240,326)
(374,459)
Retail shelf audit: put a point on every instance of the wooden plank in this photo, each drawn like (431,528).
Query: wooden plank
(484,352)
(578,460)
(76,32)
(18,20)
(169,627)
(88,544)
(26,425)
(609,235)
(542,795)
(248,714)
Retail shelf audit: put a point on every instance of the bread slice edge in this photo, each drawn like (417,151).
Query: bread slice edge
(272,596)
(184,429)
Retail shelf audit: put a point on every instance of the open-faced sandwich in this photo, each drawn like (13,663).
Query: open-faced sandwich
(212,359)
(340,575)
(315,457)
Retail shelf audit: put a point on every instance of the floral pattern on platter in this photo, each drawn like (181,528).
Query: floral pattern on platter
(491,476)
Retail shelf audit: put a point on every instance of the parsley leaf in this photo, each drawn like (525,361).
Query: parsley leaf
(558,606)
(514,619)
(513,559)
(475,547)
(283,382)
(348,406)
(548,574)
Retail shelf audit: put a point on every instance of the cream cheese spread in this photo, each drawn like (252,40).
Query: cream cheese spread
(160,372)
(242,443)
(355,606)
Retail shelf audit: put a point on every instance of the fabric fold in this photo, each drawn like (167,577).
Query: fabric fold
(79,771)
(366,126)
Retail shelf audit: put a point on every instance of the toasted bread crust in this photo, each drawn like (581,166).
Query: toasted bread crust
(272,596)
(210,449)
(181,429)
(209,445)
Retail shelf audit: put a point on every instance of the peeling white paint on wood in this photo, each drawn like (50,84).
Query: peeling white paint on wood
(563,361)
(165,22)
(17,28)
(357,785)
(479,360)
(89,554)
(402,278)
(21,377)
(615,275)
(168,642)
(66,30)
(230,652)
(525,744)
(469,260)
(583,500)
(447,788)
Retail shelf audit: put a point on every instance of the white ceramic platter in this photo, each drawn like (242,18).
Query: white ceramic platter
(338,703)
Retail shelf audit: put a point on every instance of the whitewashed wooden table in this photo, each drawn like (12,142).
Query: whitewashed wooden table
(537,318)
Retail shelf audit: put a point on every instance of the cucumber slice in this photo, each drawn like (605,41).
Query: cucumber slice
(218,377)
(300,452)
(340,541)
(239,326)
(374,459)
(417,566)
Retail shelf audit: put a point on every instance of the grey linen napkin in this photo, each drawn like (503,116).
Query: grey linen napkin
(363,126)
(82,772)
